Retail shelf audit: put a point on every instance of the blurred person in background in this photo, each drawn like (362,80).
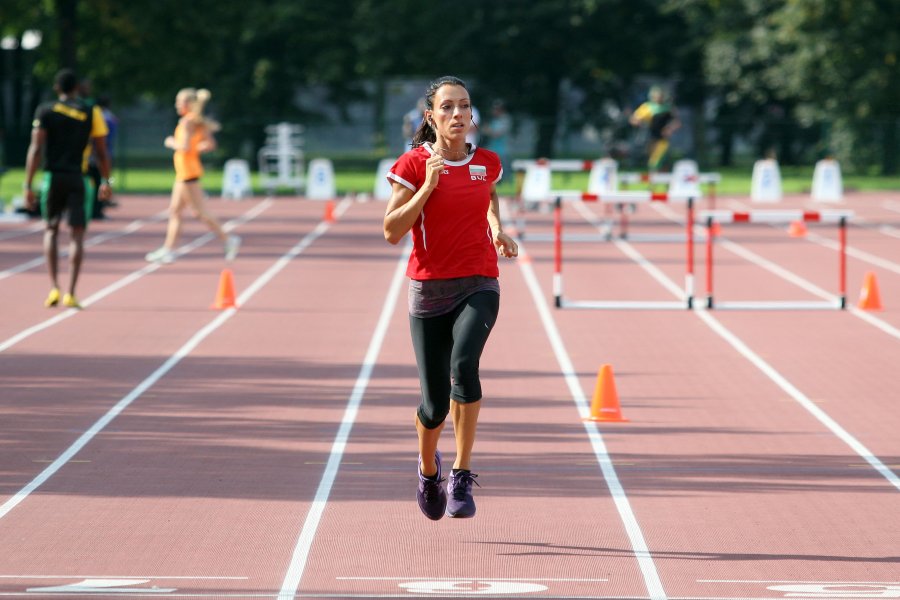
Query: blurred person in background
(659,118)
(193,137)
(411,121)
(112,126)
(472,136)
(497,132)
(66,131)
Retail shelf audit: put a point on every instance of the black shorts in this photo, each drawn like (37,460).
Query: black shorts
(448,352)
(67,193)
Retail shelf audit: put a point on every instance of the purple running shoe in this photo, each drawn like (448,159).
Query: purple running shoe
(431,495)
(461,505)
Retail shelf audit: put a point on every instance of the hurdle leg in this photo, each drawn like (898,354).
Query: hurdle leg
(623,221)
(842,268)
(709,263)
(557,253)
(689,272)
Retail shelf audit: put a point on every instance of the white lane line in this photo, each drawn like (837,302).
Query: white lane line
(567,579)
(780,380)
(797,581)
(129,279)
(628,250)
(861,255)
(801,398)
(300,555)
(810,287)
(154,377)
(865,223)
(88,243)
(626,514)
(889,230)
(8,235)
(891,205)
(199,577)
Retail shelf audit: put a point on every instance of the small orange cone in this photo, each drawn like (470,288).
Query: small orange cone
(225,295)
(329,211)
(797,229)
(869,298)
(605,405)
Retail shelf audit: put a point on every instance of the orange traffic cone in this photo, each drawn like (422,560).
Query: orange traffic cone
(797,229)
(225,295)
(329,211)
(605,405)
(869,298)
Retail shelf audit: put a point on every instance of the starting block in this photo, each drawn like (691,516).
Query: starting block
(765,183)
(320,184)
(236,179)
(827,184)
(383,189)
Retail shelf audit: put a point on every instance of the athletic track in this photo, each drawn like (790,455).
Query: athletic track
(153,447)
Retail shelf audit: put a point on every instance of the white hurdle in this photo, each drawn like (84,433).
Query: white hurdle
(652,179)
(534,186)
(778,216)
(634,197)
(620,200)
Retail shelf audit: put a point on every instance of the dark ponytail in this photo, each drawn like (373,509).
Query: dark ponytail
(425,132)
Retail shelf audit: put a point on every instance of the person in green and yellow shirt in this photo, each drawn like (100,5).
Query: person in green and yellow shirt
(661,121)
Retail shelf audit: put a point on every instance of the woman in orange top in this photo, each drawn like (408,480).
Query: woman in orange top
(193,137)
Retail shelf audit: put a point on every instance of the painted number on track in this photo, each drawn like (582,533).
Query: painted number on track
(472,587)
(102,586)
(838,590)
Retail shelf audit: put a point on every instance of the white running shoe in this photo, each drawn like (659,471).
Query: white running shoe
(160,255)
(232,245)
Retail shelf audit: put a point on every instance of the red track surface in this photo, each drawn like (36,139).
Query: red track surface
(232,466)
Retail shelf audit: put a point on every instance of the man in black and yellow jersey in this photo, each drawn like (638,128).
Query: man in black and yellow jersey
(661,121)
(66,129)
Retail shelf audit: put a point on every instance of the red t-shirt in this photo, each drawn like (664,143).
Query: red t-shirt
(451,236)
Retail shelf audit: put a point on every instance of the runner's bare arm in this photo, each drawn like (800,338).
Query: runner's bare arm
(32,162)
(405,205)
(505,245)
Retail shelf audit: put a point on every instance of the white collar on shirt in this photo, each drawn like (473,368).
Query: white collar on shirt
(453,163)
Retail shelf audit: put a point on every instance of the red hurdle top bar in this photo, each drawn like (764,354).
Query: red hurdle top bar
(622,197)
(775,216)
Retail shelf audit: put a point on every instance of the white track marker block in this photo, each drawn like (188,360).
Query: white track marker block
(320,183)
(827,183)
(685,181)
(604,177)
(536,186)
(236,179)
(383,187)
(766,183)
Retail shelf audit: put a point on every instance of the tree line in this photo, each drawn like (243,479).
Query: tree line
(776,67)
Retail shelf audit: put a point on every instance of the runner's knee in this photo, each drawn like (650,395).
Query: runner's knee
(432,414)
(466,382)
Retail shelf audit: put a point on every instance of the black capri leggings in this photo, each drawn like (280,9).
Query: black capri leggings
(448,350)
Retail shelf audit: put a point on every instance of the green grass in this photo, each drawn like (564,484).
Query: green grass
(735,181)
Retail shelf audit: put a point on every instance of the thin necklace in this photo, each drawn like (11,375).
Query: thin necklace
(462,152)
